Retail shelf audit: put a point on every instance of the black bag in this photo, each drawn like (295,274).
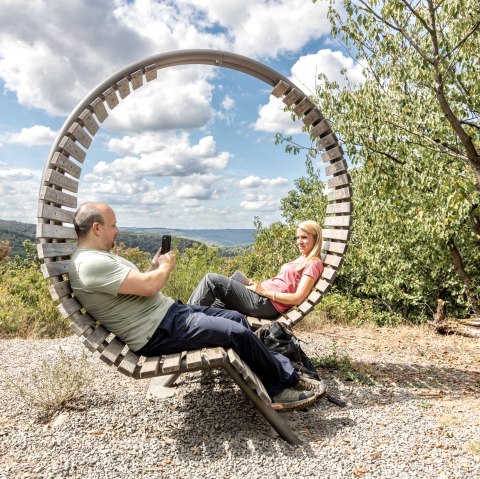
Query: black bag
(279,338)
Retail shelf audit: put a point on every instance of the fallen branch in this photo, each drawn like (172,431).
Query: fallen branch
(463,327)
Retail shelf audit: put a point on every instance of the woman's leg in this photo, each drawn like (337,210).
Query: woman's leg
(215,288)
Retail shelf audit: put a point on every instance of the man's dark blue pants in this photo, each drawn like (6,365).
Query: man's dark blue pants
(187,327)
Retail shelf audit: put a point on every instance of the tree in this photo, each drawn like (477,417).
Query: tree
(413,126)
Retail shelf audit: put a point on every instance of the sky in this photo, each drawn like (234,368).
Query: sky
(193,149)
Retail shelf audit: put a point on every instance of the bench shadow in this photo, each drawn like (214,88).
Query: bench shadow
(236,427)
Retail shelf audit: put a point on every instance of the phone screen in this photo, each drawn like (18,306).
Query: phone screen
(166,244)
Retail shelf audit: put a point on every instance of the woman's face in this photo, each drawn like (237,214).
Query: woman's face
(305,242)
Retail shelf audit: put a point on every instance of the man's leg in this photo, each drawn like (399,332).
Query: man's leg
(184,329)
(233,295)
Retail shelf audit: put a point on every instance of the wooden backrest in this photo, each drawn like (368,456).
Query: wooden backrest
(58,191)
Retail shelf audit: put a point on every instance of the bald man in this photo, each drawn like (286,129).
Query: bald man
(130,305)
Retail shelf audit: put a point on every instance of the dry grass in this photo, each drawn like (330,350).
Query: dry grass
(53,384)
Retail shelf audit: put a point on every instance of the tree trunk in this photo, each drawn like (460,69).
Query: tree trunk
(463,327)
(463,275)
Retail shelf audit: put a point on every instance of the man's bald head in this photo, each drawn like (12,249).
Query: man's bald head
(88,214)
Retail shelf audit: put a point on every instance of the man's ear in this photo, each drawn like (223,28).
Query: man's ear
(96,228)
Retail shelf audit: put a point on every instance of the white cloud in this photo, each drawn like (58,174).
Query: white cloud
(35,135)
(266,28)
(273,118)
(16,184)
(228,103)
(99,38)
(176,158)
(262,194)
(253,182)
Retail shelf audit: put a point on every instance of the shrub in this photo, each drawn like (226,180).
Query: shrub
(26,308)
(52,385)
(344,309)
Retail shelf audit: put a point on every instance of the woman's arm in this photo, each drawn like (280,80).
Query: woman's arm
(303,290)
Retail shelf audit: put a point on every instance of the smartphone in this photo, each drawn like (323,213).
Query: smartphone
(166,244)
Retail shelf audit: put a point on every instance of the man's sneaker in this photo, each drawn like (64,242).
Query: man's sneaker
(290,399)
(309,384)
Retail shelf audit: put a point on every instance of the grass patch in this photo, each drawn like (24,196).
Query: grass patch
(53,385)
(474,446)
(343,364)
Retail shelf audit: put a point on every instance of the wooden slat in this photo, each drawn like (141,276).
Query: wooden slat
(69,306)
(80,135)
(69,146)
(51,195)
(292,97)
(280,89)
(345,221)
(54,268)
(54,250)
(339,180)
(150,367)
(59,290)
(322,285)
(340,194)
(332,154)
(312,117)
(334,247)
(81,324)
(327,141)
(214,356)
(96,339)
(63,163)
(248,375)
(123,88)
(50,212)
(306,307)
(171,363)
(111,98)
(322,128)
(151,72)
(342,235)
(99,109)
(315,296)
(344,207)
(137,79)
(336,167)
(45,230)
(193,359)
(294,315)
(113,352)
(89,122)
(58,179)
(303,107)
(129,363)
(332,260)
(329,274)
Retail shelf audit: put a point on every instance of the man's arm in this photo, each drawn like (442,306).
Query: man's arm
(151,282)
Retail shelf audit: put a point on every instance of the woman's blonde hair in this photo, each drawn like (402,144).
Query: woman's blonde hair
(313,228)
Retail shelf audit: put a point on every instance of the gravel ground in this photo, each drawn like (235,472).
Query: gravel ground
(413,412)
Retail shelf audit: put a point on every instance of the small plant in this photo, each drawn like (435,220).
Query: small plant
(342,363)
(53,384)
(474,446)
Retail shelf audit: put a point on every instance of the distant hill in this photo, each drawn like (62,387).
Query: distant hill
(214,237)
(230,241)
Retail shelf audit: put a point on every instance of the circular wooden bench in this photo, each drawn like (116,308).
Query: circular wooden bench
(58,201)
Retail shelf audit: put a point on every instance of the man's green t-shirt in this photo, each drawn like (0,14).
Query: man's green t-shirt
(95,277)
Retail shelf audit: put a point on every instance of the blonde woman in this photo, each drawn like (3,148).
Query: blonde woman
(274,296)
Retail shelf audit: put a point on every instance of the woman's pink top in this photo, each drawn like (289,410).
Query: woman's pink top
(288,279)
